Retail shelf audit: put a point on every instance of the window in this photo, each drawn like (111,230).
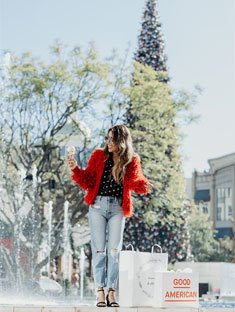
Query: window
(224,204)
(218,213)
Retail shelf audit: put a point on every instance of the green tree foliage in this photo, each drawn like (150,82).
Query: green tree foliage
(204,246)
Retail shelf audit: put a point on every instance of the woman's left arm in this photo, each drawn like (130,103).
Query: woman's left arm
(137,182)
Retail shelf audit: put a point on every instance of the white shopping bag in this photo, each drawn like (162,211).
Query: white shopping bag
(173,289)
(137,276)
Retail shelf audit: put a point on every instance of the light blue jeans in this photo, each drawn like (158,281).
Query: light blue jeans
(106,223)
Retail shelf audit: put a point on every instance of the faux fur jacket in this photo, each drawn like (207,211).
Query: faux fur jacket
(89,179)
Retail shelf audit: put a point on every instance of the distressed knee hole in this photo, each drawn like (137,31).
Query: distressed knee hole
(100,252)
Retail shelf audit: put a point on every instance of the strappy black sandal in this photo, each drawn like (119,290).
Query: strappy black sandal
(101,304)
(113,303)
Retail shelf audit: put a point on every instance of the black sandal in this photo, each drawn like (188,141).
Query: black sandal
(113,303)
(101,304)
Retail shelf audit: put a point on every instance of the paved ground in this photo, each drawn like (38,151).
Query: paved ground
(9,308)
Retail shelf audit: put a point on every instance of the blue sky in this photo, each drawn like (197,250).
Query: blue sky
(200,45)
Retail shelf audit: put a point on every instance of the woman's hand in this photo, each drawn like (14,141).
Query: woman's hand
(71,162)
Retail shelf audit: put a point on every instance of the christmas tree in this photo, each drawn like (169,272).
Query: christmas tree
(159,218)
(151,43)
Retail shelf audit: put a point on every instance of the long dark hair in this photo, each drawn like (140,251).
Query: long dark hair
(123,140)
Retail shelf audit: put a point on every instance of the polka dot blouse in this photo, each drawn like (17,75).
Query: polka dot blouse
(108,186)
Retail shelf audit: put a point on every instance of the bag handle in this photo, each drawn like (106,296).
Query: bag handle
(132,248)
(157,246)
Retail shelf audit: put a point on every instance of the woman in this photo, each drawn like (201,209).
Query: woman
(110,176)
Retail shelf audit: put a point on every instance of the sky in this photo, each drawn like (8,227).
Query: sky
(200,45)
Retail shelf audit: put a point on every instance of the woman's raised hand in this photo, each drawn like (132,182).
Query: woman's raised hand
(71,162)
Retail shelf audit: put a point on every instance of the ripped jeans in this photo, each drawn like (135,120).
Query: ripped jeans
(106,223)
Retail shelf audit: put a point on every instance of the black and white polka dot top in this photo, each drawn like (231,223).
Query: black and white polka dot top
(108,186)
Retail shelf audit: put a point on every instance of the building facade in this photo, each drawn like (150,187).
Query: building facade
(214,193)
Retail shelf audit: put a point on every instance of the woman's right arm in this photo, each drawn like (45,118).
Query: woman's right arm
(85,178)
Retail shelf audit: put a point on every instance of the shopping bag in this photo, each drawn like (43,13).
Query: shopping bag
(137,276)
(176,289)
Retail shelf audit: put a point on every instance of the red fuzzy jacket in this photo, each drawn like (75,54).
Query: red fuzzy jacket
(90,178)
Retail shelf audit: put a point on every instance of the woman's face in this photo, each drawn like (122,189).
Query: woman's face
(112,147)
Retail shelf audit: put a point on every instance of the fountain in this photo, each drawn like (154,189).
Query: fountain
(46,245)
(67,259)
(82,263)
(50,207)
(26,238)
(17,232)
(15,269)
